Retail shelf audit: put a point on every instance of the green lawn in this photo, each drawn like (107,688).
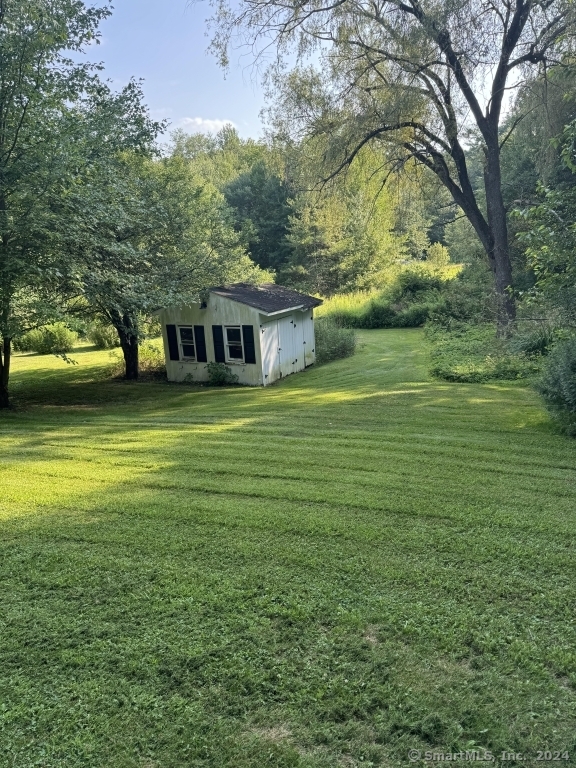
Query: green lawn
(329,572)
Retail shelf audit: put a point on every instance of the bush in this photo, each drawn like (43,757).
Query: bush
(103,336)
(150,361)
(414,283)
(333,341)
(151,358)
(220,375)
(474,354)
(469,298)
(410,298)
(56,339)
(558,384)
(533,339)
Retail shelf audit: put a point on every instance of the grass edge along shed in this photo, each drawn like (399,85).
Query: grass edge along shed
(263,332)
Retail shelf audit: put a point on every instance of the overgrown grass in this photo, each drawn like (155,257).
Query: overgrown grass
(328,572)
(474,353)
(412,294)
(332,341)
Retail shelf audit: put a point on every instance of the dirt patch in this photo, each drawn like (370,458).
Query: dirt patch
(371,635)
(277,733)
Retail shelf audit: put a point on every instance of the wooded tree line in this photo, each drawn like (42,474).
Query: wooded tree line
(412,132)
(93,221)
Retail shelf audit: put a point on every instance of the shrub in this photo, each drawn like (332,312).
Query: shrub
(333,341)
(413,316)
(474,354)
(469,298)
(410,298)
(414,283)
(220,375)
(150,361)
(103,336)
(558,384)
(151,358)
(56,339)
(377,315)
(533,339)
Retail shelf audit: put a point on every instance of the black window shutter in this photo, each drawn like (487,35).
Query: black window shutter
(200,344)
(172,342)
(249,349)
(218,336)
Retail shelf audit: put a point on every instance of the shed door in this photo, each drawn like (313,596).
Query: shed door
(307,322)
(269,345)
(287,339)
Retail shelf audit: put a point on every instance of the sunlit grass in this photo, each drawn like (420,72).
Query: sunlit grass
(356,303)
(328,572)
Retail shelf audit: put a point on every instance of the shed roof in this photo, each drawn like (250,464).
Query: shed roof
(269,298)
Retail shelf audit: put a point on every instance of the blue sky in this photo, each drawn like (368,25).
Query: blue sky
(165,44)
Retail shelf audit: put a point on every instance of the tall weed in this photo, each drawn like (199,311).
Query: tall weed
(407,301)
(333,341)
(474,354)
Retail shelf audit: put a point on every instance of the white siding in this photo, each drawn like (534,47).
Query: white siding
(269,344)
(220,311)
(283,345)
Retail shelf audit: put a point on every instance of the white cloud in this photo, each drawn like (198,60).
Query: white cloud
(201,124)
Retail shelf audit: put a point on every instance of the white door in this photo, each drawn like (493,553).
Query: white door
(285,345)
(308,337)
(269,345)
(298,347)
(291,347)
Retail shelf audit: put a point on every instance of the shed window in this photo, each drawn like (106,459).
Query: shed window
(187,346)
(234,344)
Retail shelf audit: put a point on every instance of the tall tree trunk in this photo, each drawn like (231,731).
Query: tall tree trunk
(127,329)
(5,355)
(500,251)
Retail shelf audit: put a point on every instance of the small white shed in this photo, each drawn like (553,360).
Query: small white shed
(263,332)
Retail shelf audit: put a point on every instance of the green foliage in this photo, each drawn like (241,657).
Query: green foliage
(220,375)
(328,572)
(469,298)
(412,295)
(475,354)
(103,335)
(333,341)
(259,200)
(550,242)
(533,338)
(151,358)
(60,124)
(558,384)
(343,239)
(55,339)
(151,361)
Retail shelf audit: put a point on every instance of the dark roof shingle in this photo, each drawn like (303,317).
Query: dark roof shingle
(267,297)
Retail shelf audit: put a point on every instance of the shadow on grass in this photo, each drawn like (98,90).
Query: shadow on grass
(352,564)
(174,597)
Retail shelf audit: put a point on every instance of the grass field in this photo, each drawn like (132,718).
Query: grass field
(330,572)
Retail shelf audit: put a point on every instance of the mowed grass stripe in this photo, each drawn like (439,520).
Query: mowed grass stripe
(329,572)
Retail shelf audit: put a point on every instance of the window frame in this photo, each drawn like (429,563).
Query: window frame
(227,345)
(186,358)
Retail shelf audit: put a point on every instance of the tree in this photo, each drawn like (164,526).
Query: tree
(38,84)
(252,177)
(149,234)
(413,74)
(550,238)
(343,239)
(260,201)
